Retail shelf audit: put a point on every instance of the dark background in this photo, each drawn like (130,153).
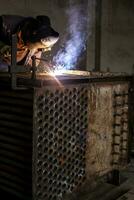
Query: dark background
(117,50)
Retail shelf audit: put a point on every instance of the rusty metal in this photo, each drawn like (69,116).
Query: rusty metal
(47,146)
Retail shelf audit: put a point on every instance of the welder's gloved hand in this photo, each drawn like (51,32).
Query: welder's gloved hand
(5,51)
(5,55)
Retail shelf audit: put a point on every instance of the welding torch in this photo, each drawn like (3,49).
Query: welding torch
(48,67)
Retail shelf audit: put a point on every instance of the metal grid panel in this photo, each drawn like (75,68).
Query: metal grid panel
(60,139)
(15,143)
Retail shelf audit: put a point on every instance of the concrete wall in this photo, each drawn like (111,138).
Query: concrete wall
(117,52)
(118,35)
(117,27)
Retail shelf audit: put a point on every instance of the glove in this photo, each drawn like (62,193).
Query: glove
(5,50)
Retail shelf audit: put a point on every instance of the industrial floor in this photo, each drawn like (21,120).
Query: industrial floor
(105,191)
(123,192)
(129,173)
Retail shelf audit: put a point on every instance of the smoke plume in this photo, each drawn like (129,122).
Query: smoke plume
(75,44)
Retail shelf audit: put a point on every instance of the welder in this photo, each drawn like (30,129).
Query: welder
(34,35)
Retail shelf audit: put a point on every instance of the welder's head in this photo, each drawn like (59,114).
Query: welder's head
(38,33)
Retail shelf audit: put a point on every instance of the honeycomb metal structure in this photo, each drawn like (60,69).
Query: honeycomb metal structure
(61,122)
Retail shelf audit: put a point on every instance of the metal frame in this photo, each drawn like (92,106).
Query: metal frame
(14,68)
(98,16)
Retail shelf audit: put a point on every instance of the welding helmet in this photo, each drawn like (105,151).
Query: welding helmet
(40,30)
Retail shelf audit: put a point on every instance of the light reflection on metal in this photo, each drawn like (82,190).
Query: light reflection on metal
(69,72)
(56,79)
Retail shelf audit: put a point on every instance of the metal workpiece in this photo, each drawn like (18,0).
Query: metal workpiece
(107,138)
(64,145)
(15,142)
(56,138)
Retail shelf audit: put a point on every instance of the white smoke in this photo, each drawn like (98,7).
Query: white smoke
(67,57)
